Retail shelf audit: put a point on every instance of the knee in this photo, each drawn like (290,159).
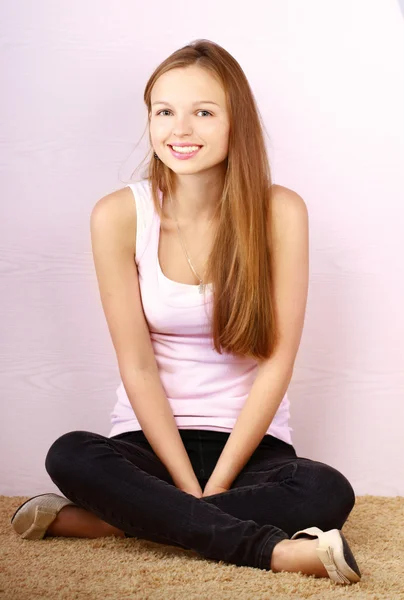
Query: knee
(343,490)
(341,495)
(62,451)
(332,492)
(347,493)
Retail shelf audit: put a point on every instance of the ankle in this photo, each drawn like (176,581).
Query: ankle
(279,553)
(298,556)
(292,555)
(73,521)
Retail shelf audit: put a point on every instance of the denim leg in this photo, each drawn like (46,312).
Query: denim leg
(275,487)
(103,476)
(290,494)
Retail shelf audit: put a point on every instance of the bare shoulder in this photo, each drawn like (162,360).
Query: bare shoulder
(117,211)
(285,199)
(289,213)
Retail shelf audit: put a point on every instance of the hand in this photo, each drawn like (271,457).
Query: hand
(194,490)
(212,488)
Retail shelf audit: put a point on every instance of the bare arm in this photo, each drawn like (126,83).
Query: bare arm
(113,238)
(291,283)
(153,411)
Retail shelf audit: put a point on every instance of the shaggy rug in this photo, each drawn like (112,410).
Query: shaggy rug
(113,568)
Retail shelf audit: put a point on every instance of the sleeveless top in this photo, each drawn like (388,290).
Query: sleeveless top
(205,389)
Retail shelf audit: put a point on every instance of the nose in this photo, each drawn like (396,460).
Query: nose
(182,126)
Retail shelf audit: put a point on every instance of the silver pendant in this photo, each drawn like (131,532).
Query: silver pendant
(201,288)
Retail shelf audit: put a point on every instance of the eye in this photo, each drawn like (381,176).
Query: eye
(166,110)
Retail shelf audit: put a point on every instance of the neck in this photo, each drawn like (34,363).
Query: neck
(195,199)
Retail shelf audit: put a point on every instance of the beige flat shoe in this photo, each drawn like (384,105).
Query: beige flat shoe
(335,554)
(32,519)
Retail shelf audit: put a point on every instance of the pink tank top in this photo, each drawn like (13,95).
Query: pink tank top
(205,389)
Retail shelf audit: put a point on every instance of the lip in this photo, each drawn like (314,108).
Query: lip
(181,156)
(182,144)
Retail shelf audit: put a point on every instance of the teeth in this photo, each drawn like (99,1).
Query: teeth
(185,149)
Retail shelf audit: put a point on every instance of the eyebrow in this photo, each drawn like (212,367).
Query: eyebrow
(193,104)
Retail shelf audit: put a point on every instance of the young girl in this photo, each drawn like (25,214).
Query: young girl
(202,269)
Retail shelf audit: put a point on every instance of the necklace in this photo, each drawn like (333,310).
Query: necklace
(202,286)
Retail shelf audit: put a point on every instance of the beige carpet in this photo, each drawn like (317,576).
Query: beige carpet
(114,568)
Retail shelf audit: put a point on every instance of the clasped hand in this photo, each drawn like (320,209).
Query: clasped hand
(210,490)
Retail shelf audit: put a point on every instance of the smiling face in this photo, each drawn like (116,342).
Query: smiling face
(180,116)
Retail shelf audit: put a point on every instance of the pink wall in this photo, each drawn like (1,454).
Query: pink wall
(329,81)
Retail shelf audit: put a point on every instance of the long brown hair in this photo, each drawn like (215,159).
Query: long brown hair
(240,265)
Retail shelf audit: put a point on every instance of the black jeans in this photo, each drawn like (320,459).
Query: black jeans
(123,482)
